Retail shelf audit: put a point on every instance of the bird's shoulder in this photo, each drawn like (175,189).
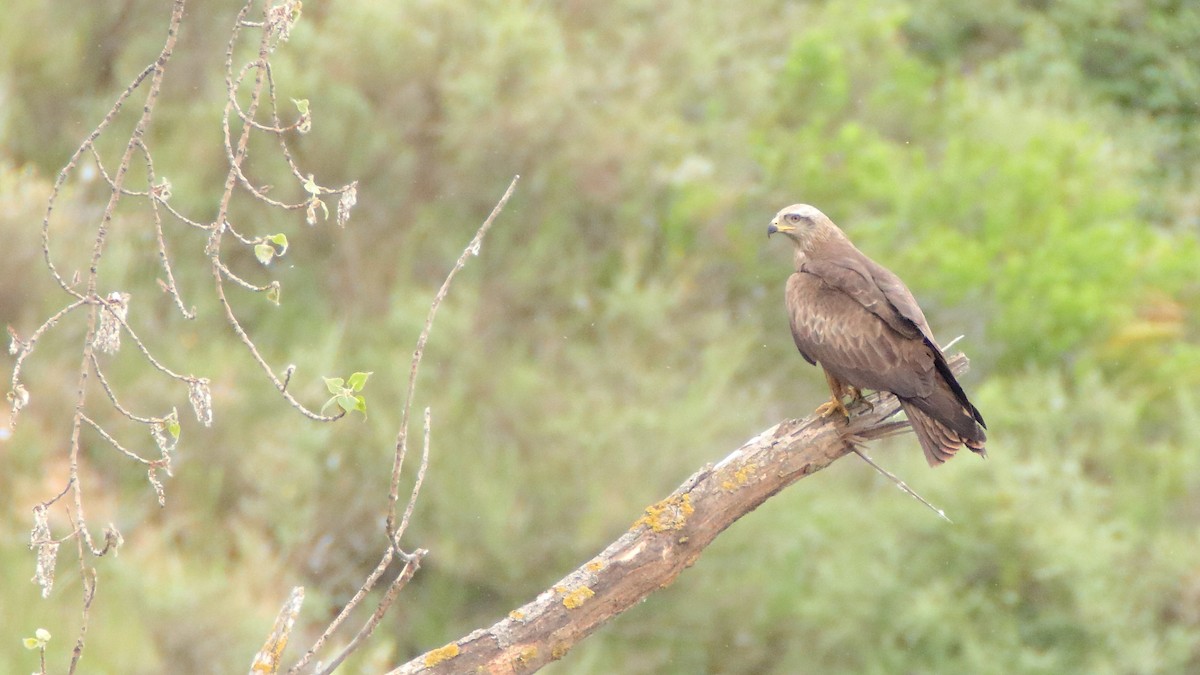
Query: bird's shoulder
(877,289)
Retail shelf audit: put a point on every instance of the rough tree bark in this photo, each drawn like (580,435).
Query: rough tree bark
(665,540)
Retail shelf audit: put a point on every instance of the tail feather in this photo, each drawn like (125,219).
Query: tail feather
(937,440)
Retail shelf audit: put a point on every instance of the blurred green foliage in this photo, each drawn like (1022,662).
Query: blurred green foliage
(1027,167)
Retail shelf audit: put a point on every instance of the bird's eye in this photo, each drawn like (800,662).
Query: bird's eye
(794,218)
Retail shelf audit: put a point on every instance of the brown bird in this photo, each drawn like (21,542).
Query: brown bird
(862,325)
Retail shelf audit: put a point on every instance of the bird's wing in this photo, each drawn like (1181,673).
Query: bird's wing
(862,324)
(835,329)
(873,286)
(798,316)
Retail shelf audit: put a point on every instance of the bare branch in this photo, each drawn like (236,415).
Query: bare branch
(370,582)
(667,539)
(117,444)
(112,395)
(267,659)
(411,565)
(472,249)
(23,349)
(155,72)
(236,155)
(105,320)
(412,499)
(159,193)
(412,561)
(899,483)
(72,163)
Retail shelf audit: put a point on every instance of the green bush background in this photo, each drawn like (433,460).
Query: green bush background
(1028,167)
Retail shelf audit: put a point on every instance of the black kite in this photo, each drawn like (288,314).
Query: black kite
(862,325)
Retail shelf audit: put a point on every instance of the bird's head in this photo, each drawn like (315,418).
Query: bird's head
(803,224)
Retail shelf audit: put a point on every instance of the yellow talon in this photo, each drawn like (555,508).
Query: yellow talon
(828,408)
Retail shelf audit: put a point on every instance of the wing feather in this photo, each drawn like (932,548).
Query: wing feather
(872,285)
(859,347)
(832,328)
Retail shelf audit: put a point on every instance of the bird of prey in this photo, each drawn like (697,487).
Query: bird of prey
(862,325)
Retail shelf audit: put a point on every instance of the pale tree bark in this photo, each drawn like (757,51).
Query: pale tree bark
(668,538)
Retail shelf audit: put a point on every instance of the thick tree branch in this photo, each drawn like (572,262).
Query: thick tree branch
(667,539)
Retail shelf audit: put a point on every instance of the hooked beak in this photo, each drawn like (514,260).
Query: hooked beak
(775,226)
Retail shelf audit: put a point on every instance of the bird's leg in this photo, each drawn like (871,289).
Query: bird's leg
(856,396)
(834,404)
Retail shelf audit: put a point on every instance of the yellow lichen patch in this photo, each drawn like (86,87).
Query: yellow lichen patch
(743,474)
(270,657)
(559,650)
(526,655)
(516,615)
(577,597)
(440,654)
(595,566)
(669,514)
(739,477)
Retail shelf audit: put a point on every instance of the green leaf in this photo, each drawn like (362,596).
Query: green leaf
(362,405)
(311,187)
(264,253)
(301,105)
(173,428)
(279,240)
(347,402)
(273,293)
(357,381)
(32,643)
(335,385)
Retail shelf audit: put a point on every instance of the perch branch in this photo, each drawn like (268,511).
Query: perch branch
(667,539)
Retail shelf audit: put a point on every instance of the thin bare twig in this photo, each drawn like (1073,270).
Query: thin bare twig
(402,437)
(117,444)
(158,195)
(112,396)
(410,568)
(88,575)
(137,341)
(236,157)
(370,582)
(229,274)
(73,162)
(155,71)
(412,499)
(105,321)
(24,349)
(899,483)
(394,530)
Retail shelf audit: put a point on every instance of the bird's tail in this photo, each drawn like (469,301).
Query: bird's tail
(937,440)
